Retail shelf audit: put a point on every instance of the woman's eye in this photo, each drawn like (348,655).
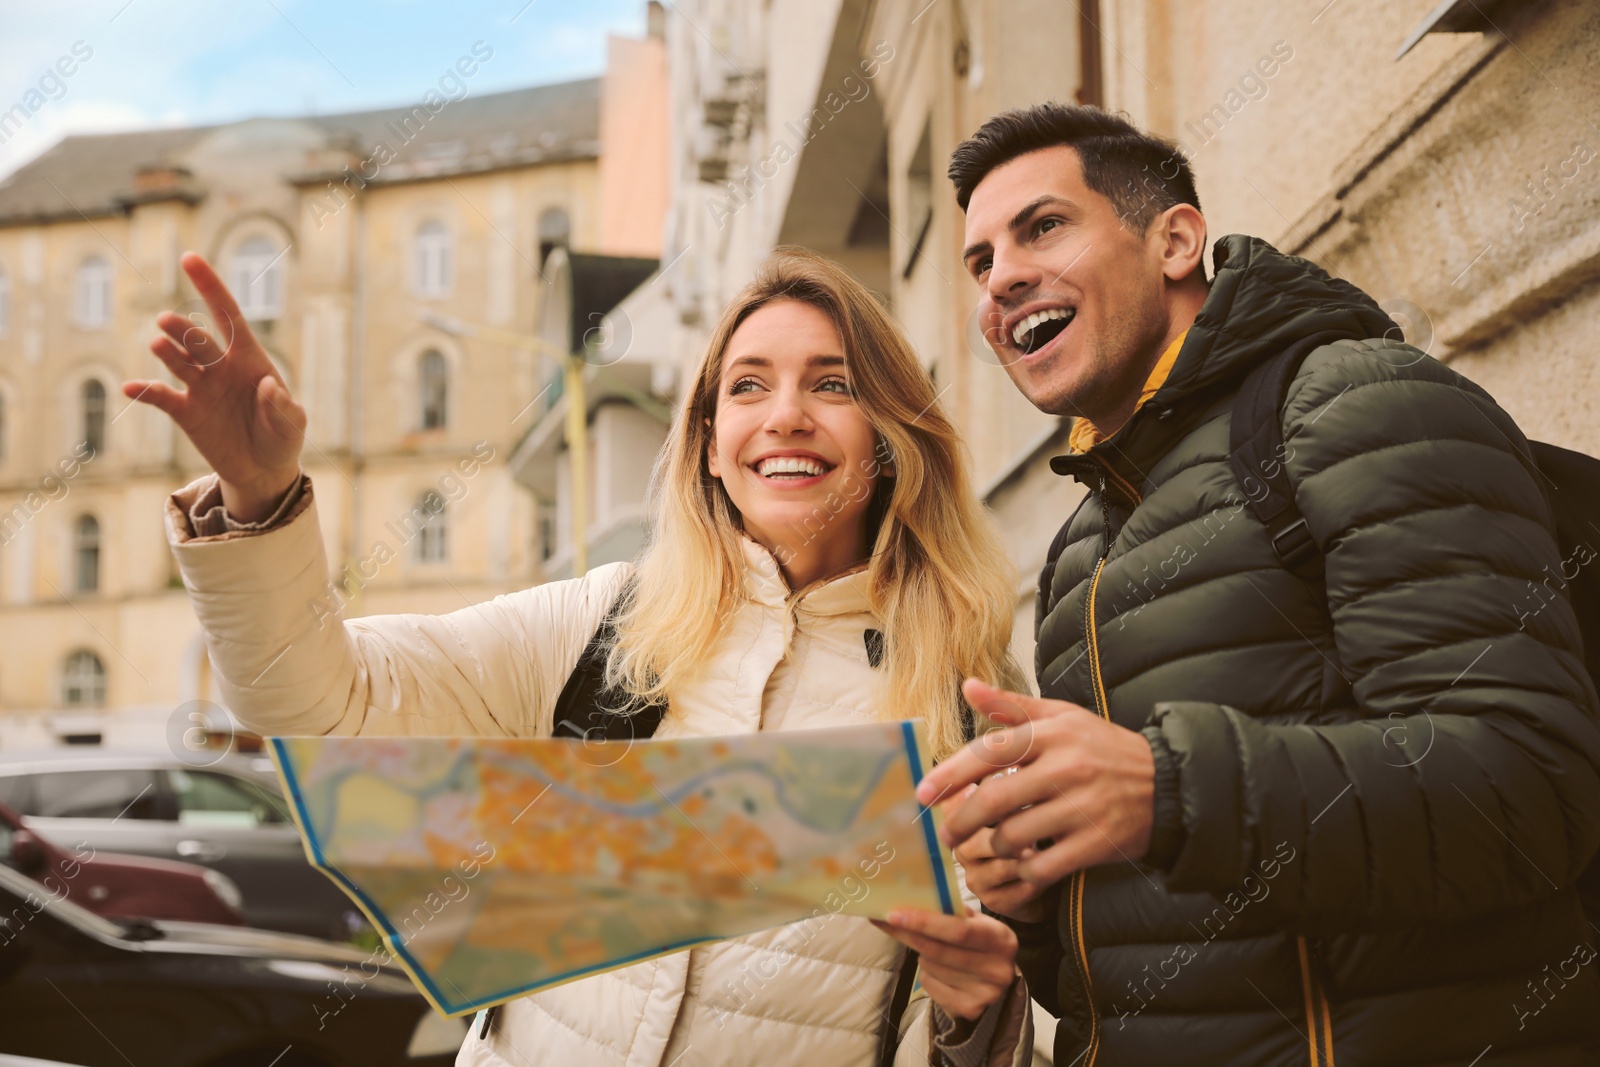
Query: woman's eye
(738,386)
(843,386)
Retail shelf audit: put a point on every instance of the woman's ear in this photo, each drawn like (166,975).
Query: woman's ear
(712,466)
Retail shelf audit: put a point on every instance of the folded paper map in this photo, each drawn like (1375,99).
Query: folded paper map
(494,867)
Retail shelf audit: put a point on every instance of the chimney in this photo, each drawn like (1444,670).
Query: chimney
(160,178)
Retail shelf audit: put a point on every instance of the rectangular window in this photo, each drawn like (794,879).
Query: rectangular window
(432,266)
(256,279)
(93,307)
(430,543)
(433,531)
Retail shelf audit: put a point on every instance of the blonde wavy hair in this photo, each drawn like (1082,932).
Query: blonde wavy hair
(938,577)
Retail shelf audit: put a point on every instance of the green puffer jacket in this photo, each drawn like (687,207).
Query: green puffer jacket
(1375,789)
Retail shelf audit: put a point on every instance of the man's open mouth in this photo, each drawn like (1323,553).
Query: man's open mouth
(1039,329)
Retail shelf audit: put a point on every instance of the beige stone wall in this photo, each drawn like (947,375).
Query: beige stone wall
(1457,185)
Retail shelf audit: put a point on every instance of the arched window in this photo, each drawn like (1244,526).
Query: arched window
(256,277)
(432,268)
(5,303)
(431,535)
(92,308)
(434,375)
(554,229)
(94,414)
(86,553)
(83,680)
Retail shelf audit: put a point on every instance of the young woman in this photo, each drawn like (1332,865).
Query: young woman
(812,491)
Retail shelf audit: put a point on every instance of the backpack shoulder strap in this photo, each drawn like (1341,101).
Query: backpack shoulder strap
(1256,452)
(889,1036)
(585,710)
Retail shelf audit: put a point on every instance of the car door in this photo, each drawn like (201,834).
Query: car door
(243,829)
(49,980)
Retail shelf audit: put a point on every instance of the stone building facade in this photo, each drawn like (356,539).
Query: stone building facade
(384,257)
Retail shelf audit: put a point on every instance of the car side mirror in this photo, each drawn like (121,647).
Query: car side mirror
(26,852)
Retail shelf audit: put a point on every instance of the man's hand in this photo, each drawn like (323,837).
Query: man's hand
(994,878)
(968,961)
(235,407)
(1087,784)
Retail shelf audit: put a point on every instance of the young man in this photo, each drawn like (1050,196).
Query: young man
(1268,811)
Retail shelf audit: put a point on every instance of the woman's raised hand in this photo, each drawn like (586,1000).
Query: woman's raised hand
(234,407)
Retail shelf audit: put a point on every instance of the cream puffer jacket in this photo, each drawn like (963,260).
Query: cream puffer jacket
(797,994)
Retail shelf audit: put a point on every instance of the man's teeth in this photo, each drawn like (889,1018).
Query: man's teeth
(1025,327)
(789,465)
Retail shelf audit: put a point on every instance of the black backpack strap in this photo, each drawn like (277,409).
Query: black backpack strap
(873,639)
(889,1038)
(1256,453)
(584,710)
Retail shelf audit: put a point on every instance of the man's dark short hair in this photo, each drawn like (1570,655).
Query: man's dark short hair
(1140,174)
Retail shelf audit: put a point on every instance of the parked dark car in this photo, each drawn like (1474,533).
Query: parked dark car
(227,816)
(79,988)
(116,886)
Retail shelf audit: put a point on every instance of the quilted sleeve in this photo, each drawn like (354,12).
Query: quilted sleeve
(1467,777)
(288,662)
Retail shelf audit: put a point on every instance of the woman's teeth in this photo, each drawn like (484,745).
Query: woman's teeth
(790,467)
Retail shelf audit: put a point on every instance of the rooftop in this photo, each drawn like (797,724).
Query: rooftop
(90,175)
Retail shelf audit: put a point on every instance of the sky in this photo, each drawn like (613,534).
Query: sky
(191,62)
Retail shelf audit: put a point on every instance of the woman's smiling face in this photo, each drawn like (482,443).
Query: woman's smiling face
(790,444)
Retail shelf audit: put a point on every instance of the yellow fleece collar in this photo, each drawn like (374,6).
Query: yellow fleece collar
(1084,436)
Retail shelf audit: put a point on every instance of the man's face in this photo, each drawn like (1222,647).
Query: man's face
(1072,300)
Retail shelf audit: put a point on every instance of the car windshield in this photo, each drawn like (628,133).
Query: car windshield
(17,891)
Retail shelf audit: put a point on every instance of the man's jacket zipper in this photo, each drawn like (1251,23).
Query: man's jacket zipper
(1319,1019)
(1076,887)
